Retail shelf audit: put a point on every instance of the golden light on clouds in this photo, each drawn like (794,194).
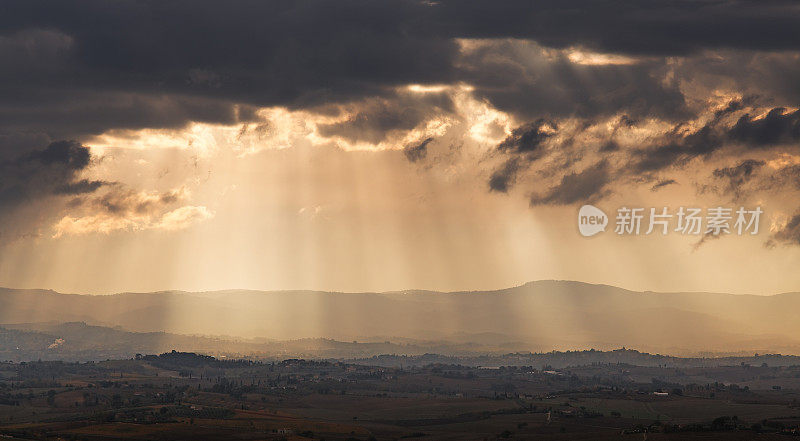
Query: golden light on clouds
(123,209)
(784,160)
(597,59)
(329,197)
(280,128)
(177,219)
(420,88)
(201,137)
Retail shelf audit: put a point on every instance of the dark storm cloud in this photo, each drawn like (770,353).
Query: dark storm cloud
(517,78)
(584,186)
(79,67)
(624,122)
(652,27)
(141,36)
(529,137)
(41,173)
(79,187)
(75,68)
(679,146)
(503,178)
(197,60)
(375,118)
(776,127)
(677,151)
(81,113)
(769,76)
(524,145)
(417,152)
(67,154)
(730,131)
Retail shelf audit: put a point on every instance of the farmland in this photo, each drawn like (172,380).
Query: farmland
(183,396)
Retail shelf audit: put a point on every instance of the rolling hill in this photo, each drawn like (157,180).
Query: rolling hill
(540,315)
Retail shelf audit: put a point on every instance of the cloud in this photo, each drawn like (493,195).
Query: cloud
(677,149)
(531,81)
(45,186)
(52,171)
(704,239)
(69,225)
(69,77)
(737,176)
(215,66)
(584,186)
(79,187)
(127,210)
(417,152)
(373,120)
(525,144)
(740,172)
(183,217)
(788,176)
(635,91)
(681,144)
(529,137)
(775,127)
(636,152)
(662,183)
(788,234)
(652,28)
(503,178)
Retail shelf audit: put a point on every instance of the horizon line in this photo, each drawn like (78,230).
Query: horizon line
(401,291)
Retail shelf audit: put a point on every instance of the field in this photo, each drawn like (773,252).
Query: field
(185,396)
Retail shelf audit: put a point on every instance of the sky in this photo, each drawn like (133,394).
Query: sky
(385,145)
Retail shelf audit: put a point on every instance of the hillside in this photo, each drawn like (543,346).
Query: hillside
(539,316)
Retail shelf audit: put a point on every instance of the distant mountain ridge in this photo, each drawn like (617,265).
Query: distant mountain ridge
(543,315)
(78,341)
(82,342)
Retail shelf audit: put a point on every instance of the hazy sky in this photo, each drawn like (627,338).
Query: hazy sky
(382,145)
